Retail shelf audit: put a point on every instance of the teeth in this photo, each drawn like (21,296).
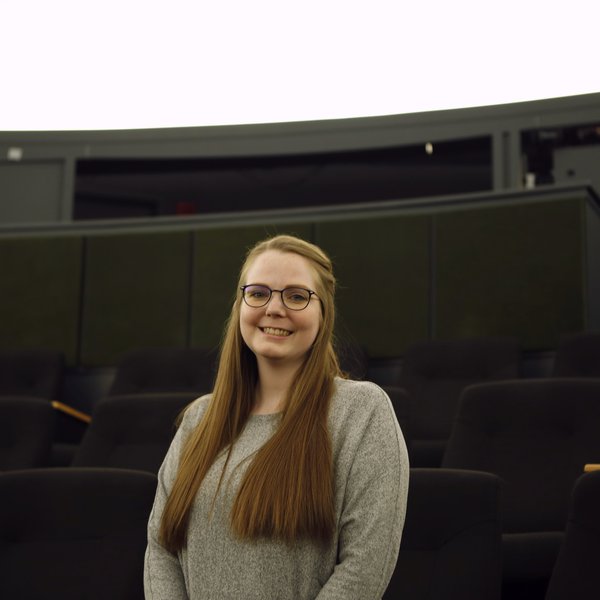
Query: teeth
(273,331)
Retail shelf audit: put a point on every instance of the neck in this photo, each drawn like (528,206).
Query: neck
(274,382)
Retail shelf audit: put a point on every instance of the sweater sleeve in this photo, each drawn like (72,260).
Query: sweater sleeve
(373,509)
(163,575)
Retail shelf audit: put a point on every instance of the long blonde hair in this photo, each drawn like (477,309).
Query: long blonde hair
(287,490)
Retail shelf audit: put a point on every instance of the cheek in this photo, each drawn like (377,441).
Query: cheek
(247,315)
(245,323)
(315,325)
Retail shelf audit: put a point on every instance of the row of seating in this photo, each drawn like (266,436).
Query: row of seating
(40,373)
(81,533)
(434,374)
(130,432)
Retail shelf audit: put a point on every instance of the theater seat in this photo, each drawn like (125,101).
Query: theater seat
(536,435)
(451,548)
(31,372)
(147,370)
(26,432)
(131,431)
(74,533)
(434,373)
(575,574)
(39,373)
(578,355)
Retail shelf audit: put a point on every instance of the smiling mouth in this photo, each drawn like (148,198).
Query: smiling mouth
(275,331)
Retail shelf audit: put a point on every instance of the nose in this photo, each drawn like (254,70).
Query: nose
(275,305)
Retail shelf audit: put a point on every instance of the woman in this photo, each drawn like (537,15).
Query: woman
(287,482)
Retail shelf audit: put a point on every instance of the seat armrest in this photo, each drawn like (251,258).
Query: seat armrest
(72,412)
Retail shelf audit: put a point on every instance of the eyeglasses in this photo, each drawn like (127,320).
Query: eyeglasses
(294,298)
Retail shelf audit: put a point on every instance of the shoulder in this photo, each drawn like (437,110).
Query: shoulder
(189,418)
(193,413)
(356,405)
(351,387)
(362,423)
(358,397)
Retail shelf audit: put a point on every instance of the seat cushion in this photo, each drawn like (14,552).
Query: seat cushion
(530,556)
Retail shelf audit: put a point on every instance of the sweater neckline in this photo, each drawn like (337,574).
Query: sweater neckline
(264,416)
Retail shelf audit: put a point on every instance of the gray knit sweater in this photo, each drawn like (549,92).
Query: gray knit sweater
(371,485)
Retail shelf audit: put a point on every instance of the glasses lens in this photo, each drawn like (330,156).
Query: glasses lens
(256,295)
(296,298)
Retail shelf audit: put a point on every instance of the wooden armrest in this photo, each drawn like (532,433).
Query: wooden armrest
(591,467)
(72,412)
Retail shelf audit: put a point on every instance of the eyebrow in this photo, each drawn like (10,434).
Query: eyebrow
(289,285)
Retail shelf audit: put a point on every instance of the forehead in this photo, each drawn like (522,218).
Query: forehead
(281,269)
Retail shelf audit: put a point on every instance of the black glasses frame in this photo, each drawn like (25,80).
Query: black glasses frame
(266,287)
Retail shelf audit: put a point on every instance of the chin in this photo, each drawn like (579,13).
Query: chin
(276,356)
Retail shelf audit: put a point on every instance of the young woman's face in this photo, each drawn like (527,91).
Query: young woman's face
(274,332)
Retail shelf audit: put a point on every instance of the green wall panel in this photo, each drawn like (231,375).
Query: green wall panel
(512,270)
(218,257)
(136,294)
(382,267)
(39,293)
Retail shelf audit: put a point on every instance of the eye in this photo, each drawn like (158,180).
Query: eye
(296,296)
(257,292)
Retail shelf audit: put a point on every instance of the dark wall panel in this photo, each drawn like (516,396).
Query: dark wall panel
(136,294)
(592,218)
(218,256)
(382,267)
(512,270)
(40,292)
(31,191)
(525,269)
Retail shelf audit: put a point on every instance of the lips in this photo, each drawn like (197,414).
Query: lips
(275,331)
